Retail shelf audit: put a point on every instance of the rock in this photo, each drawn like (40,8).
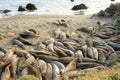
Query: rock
(79,7)
(112,0)
(21,8)
(112,11)
(101,14)
(5,11)
(31,6)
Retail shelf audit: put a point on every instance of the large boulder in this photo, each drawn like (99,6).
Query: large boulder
(21,8)
(31,6)
(79,7)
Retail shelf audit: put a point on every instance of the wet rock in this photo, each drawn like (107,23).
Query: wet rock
(21,8)
(79,7)
(5,11)
(31,6)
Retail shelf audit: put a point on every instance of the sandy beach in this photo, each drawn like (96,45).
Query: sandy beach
(11,27)
(45,26)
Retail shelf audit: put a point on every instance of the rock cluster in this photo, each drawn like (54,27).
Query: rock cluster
(112,10)
(29,6)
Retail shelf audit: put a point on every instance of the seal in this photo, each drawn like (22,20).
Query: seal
(28,61)
(60,52)
(42,66)
(18,43)
(32,70)
(67,51)
(71,66)
(86,65)
(48,75)
(90,53)
(59,64)
(55,71)
(50,47)
(6,73)
(66,60)
(47,58)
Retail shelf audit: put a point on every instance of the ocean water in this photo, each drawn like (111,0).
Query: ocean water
(57,7)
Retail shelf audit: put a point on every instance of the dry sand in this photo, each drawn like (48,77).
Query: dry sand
(12,26)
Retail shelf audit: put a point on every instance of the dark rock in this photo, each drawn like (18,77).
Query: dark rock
(79,7)
(112,0)
(112,11)
(101,14)
(30,6)
(5,11)
(21,8)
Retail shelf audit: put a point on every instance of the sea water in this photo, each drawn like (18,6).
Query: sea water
(55,7)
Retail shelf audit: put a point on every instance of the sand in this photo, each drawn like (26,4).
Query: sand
(11,27)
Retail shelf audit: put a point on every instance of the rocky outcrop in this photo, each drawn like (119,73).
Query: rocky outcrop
(79,7)
(21,8)
(31,6)
(112,10)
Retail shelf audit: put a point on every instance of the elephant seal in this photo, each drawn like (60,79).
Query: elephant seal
(18,43)
(60,52)
(85,65)
(59,44)
(115,46)
(95,53)
(50,47)
(42,66)
(24,41)
(59,64)
(66,60)
(28,61)
(71,66)
(6,73)
(48,75)
(67,51)
(90,53)
(79,55)
(33,71)
(47,58)
(55,71)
